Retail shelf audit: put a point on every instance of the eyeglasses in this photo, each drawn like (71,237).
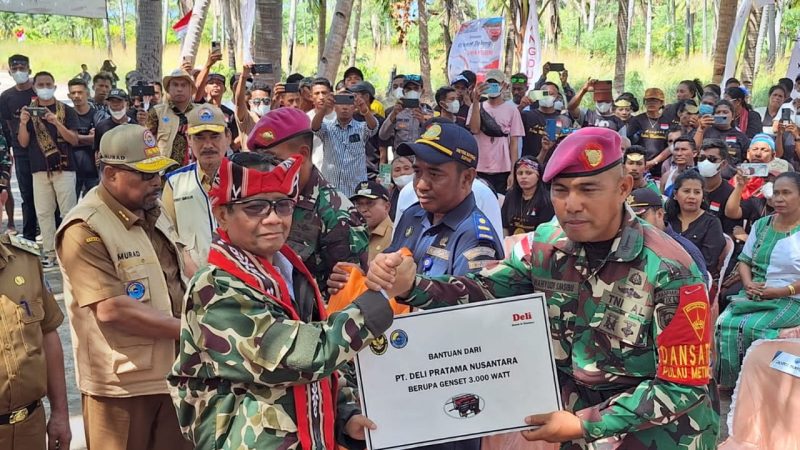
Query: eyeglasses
(145,175)
(261,207)
(259,101)
(713,159)
(518,80)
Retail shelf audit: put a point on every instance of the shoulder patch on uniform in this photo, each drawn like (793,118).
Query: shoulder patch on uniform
(479,264)
(91,239)
(24,244)
(480,251)
(483,228)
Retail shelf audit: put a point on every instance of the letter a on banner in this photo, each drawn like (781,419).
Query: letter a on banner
(531,61)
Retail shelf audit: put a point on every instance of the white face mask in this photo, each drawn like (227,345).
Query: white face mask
(603,108)
(262,109)
(454,107)
(767,190)
(117,115)
(402,180)
(398,93)
(558,105)
(547,102)
(20,76)
(45,93)
(411,95)
(708,169)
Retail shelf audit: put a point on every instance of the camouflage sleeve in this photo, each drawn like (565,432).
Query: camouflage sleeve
(347,405)
(344,234)
(244,338)
(152,122)
(5,165)
(680,389)
(507,278)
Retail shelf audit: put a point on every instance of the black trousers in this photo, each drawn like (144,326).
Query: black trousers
(22,167)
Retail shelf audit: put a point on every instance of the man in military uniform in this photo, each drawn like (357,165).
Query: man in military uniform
(629,314)
(124,292)
(445,231)
(30,317)
(326,229)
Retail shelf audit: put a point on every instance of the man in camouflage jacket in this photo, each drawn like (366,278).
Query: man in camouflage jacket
(326,228)
(629,316)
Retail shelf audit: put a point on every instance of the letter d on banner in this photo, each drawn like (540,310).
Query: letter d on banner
(532,49)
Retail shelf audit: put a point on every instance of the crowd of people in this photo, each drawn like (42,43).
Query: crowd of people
(219,230)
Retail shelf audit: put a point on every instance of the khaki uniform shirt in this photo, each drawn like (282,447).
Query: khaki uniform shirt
(380,238)
(28,311)
(84,257)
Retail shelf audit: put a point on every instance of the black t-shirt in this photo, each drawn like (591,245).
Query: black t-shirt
(706,233)
(61,161)
(717,199)
(650,134)
(594,119)
(461,115)
(738,142)
(83,156)
(11,101)
(535,123)
(528,216)
(103,127)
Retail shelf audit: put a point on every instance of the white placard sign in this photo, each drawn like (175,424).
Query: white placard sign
(462,372)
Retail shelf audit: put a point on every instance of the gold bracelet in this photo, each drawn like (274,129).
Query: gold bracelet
(791,289)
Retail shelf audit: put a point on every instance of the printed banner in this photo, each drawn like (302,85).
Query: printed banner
(481,374)
(531,63)
(477,46)
(95,9)
(736,37)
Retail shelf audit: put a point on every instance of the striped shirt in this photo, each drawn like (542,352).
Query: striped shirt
(344,161)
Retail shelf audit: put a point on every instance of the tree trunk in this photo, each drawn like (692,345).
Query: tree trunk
(356,26)
(122,38)
(424,52)
(267,36)
(631,8)
(727,16)
(148,39)
(191,41)
(689,31)
(292,32)
(671,26)
(107,28)
(648,26)
(230,36)
(770,9)
(555,24)
(750,39)
(164,23)
(511,31)
(705,30)
(592,14)
(622,45)
(376,34)
(323,21)
(762,31)
(334,44)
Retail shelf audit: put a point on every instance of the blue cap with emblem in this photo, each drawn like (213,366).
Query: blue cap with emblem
(442,143)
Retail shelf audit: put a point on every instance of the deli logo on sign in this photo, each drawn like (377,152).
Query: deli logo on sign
(521,319)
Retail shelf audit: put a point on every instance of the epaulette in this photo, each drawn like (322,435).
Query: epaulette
(25,244)
(483,228)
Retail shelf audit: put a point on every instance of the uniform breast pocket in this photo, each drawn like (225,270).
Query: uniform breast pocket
(30,314)
(624,337)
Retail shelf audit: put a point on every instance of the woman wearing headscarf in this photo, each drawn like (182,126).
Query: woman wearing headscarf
(259,356)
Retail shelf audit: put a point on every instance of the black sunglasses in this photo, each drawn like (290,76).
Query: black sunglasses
(261,207)
(145,175)
(713,159)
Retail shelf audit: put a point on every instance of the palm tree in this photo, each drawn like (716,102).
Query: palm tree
(727,16)
(622,45)
(292,32)
(148,39)
(750,40)
(195,29)
(334,44)
(424,49)
(354,39)
(268,33)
